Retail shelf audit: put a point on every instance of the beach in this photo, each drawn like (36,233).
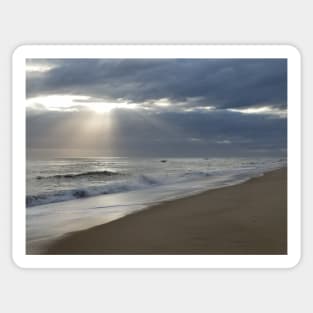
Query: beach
(248,218)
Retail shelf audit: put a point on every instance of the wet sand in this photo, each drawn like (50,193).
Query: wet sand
(249,218)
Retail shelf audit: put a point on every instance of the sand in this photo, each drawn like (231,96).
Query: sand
(249,218)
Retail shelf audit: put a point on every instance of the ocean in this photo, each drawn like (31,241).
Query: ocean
(69,194)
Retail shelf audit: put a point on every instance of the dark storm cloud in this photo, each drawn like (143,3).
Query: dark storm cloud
(223,83)
(169,133)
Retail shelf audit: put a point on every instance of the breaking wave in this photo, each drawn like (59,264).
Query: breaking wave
(78,175)
(140,182)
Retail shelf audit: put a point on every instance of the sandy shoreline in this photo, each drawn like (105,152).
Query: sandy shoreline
(249,218)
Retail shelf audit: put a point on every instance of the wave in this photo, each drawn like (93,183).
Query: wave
(84,174)
(140,182)
(130,183)
(114,186)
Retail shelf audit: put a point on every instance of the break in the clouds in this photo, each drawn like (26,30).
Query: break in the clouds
(158,106)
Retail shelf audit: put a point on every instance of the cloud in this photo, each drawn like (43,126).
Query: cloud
(187,107)
(134,133)
(184,83)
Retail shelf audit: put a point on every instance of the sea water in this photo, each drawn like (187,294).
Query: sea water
(64,195)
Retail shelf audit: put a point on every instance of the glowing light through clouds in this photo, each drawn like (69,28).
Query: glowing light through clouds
(157,107)
(76,103)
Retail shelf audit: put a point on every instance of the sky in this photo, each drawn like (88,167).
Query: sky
(156,107)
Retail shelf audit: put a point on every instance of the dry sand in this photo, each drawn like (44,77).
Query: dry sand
(249,218)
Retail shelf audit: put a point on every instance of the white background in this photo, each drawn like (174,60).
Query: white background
(286,22)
